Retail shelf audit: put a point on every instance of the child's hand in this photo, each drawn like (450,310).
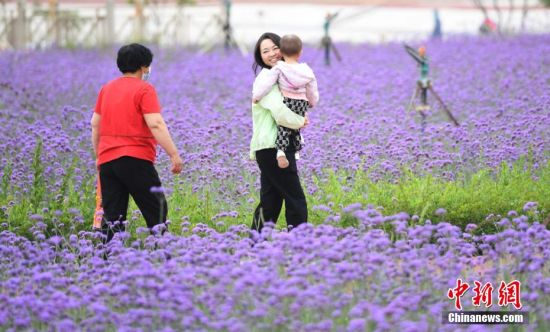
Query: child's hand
(306,121)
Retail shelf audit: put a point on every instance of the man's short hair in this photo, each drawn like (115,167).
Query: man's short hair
(132,57)
(291,45)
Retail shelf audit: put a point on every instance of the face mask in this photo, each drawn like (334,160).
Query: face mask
(146,76)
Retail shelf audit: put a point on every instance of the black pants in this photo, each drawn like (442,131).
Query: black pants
(130,176)
(278,184)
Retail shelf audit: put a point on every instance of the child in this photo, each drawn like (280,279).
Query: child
(299,88)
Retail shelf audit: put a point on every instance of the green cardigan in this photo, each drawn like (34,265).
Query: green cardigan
(269,112)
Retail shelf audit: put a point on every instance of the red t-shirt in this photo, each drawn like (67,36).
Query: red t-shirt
(122,130)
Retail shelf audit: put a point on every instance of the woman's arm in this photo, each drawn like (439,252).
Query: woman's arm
(96,119)
(282,115)
(158,128)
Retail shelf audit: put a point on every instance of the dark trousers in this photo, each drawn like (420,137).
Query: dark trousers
(127,176)
(278,184)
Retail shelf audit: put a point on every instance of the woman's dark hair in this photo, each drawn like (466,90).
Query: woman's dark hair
(132,57)
(258,62)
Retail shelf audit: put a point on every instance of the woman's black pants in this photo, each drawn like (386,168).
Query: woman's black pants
(278,184)
(127,176)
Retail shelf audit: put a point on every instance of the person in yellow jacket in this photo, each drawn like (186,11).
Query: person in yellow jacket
(98,214)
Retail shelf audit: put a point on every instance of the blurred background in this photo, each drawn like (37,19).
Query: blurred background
(206,24)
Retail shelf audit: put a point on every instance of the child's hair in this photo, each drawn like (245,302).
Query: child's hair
(291,45)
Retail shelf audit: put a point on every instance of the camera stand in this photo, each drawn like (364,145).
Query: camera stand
(423,85)
(224,33)
(421,90)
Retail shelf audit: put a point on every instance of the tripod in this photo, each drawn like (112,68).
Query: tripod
(422,88)
(225,32)
(326,42)
(328,47)
(423,85)
(228,40)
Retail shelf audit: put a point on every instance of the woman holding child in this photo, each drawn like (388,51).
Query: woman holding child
(275,138)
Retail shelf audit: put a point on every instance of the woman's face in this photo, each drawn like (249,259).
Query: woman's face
(270,52)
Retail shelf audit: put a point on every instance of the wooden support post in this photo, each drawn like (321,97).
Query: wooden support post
(110,23)
(19,27)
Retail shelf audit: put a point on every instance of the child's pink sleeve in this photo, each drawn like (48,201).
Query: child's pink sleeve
(264,82)
(312,92)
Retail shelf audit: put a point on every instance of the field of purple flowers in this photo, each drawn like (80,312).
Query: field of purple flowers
(365,165)
(320,278)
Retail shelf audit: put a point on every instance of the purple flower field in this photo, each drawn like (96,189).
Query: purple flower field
(312,279)
(498,90)
(387,273)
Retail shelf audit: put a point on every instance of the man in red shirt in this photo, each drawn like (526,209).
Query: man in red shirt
(126,127)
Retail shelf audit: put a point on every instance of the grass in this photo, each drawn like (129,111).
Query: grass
(480,198)
(470,199)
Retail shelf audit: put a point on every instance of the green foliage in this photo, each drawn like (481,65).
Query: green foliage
(470,198)
(546,3)
(38,184)
(6,177)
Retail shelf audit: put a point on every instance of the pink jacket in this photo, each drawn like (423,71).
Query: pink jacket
(296,81)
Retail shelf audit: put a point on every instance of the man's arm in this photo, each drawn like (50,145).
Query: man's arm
(158,128)
(282,115)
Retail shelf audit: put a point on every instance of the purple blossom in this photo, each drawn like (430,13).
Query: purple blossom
(157,190)
(530,206)
(440,212)
(390,272)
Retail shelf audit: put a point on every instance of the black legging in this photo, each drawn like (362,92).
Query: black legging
(278,184)
(127,176)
